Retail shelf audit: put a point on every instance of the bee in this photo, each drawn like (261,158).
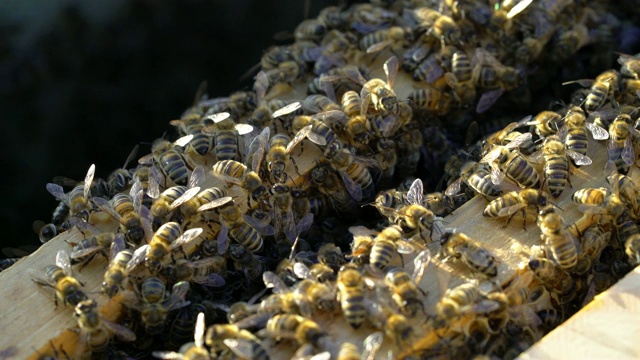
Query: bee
(168,237)
(119,179)
(551,276)
(96,331)
(602,88)
(315,128)
(351,103)
(504,161)
(569,41)
(431,100)
(352,296)
(295,327)
(476,176)
(620,150)
(353,172)
(60,277)
(77,200)
(189,351)
(632,248)
(253,266)
(209,197)
(244,344)
(440,26)
(575,131)
(84,251)
(470,252)
(559,243)
(169,159)
(331,255)
(508,134)
(133,218)
(513,202)
(490,74)
(154,303)
(459,79)
(405,293)
(45,232)
(376,92)
(238,174)
(310,29)
(434,66)
(590,196)
(242,228)
(207,272)
(414,219)
(330,184)
(395,36)
(626,189)
(629,89)
(319,272)
(225,134)
(395,326)
(116,275)
(320,103)
(302,204)
(456,299)
(60,215)
(556,164)
(361,245)
(547,123)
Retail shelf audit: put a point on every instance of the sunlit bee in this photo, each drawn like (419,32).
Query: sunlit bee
(314,128)
(85,250)
(95,331)
(295,327)
(508,134)
(353,171)
(525,201)
(395,36)
(559,243)
(169,160)
(237,173)
(590,196)
(78,198)
(556,164)
(206,196)
(225,134)
(115,278)
(319,272)
(620,146)
(406,294)
(242,342)
(60,277)
(242,228)
(594,240)
(123,209)
(161,206)
(626,189)
(206,272)
(470,252)
(377,93)
(602,88)
(395,326)
(551,276)
(455,299)
(459,79)
(320,103)
(440,26)
(629,90)
(167,238)
(431,100)
(278,157)
(547,123)
(154,303)
(192,124)
(576,128)
(506,161)
(351,103)
(388,244)
(414,219)
(478,177)
(351,296)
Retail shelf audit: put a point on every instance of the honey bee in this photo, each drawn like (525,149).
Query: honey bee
(242,228)
(632,248)
(205,200)
(133,218)
(119,179)
(60,215)
(505,162)
(84,251)
(492,75)
(352,296)
(207,272)
(556,164)
(511,203)
(45,232)
(116,274)
(590,196)
(459,79)
(238,174)
(569,41)
(414,219)
(168,159)
(405,293)
(626,189)
(319,272)
(377,93)
(547,123)
(440,26)
(361,245)
(433,67)
(455,300)
(620,150)
(225,134)
(353,172)
(310,29)
(602,88)
(330,184)
(431,100)
(476,176)
(394,37)
(508,134)
(242,342)
(470,252)
(386,245)
(551,276)
(303,204)
(278,157)
(60,277)
(77,200)
(168,237)
(189,351)
(395,326)
(296,327)
(558,241)
(96,331)
(153,302)
(315,128)
(575,131)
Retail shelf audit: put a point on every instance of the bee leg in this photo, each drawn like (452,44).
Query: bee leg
(524,220)
(295,166)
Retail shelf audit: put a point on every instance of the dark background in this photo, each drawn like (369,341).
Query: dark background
(82,85)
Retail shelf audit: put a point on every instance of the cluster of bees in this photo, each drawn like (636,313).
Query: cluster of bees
(231,239)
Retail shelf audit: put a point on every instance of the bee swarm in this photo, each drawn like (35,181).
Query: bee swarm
(510,42)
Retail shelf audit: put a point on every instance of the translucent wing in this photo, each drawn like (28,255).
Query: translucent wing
(197,177)
(223,238)
(168,355)
(420,264)
(379,46)
(81,253)
(243,129)
(488,99)
(302,271)
(261,85)
(240,347)
(519,140)
(186,237)
(305,223)
(215,203)
(88,179)
(198,334)
(628,154)
(518,8)
(262,227)
(491,155)
(183,141)
(299,137)
(273,281)
(497,177)
(58,192)
(188,195)
(353,73)
(155,178)
(372,344)
(510,210)
(391,70)
(105,206)
(211,280)
(138,258)
(178,293)
(64,262)
(288,109)
(218,117)
(578,158)
(454,188)
(135,193)
(352,187)
(415,193)
(598,132)
(146,219)
(117,245)
(122,332)
(257,147)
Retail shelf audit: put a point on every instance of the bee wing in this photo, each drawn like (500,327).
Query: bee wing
(64,262)
(146,160)
(316,138)
(58,192)
(168,355)
(117,245)
(420,263)
(519,140)
(481,307)
(240,347)
(243,129)
(105,206)
(155,178)
(450,79)
(326,84)
(136,192)
(352,187)
(302,271)
(488,99)
(263,228)
(537,157)
(188,195)
(362,231)
(79,254)
(178,293)
(88,179)
(305,223)
(261,85)
(391,70)
(215,203)
(371,345)
(582,82)
(509,210)
(518,8)
(146,219)
(524,316)
(435,73)
(562,133)
(578,158)
(287,109)
(298,138)
(183,141)
(223,238)
(272,280)
(211,280)
(197,177)
(379,46)
(138,258)
(217,117)
(497,177)
(598,132)
(628,154)
(353,73)
(198,333)
(454,188)
(122,332)
(186,237)
(415,193)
